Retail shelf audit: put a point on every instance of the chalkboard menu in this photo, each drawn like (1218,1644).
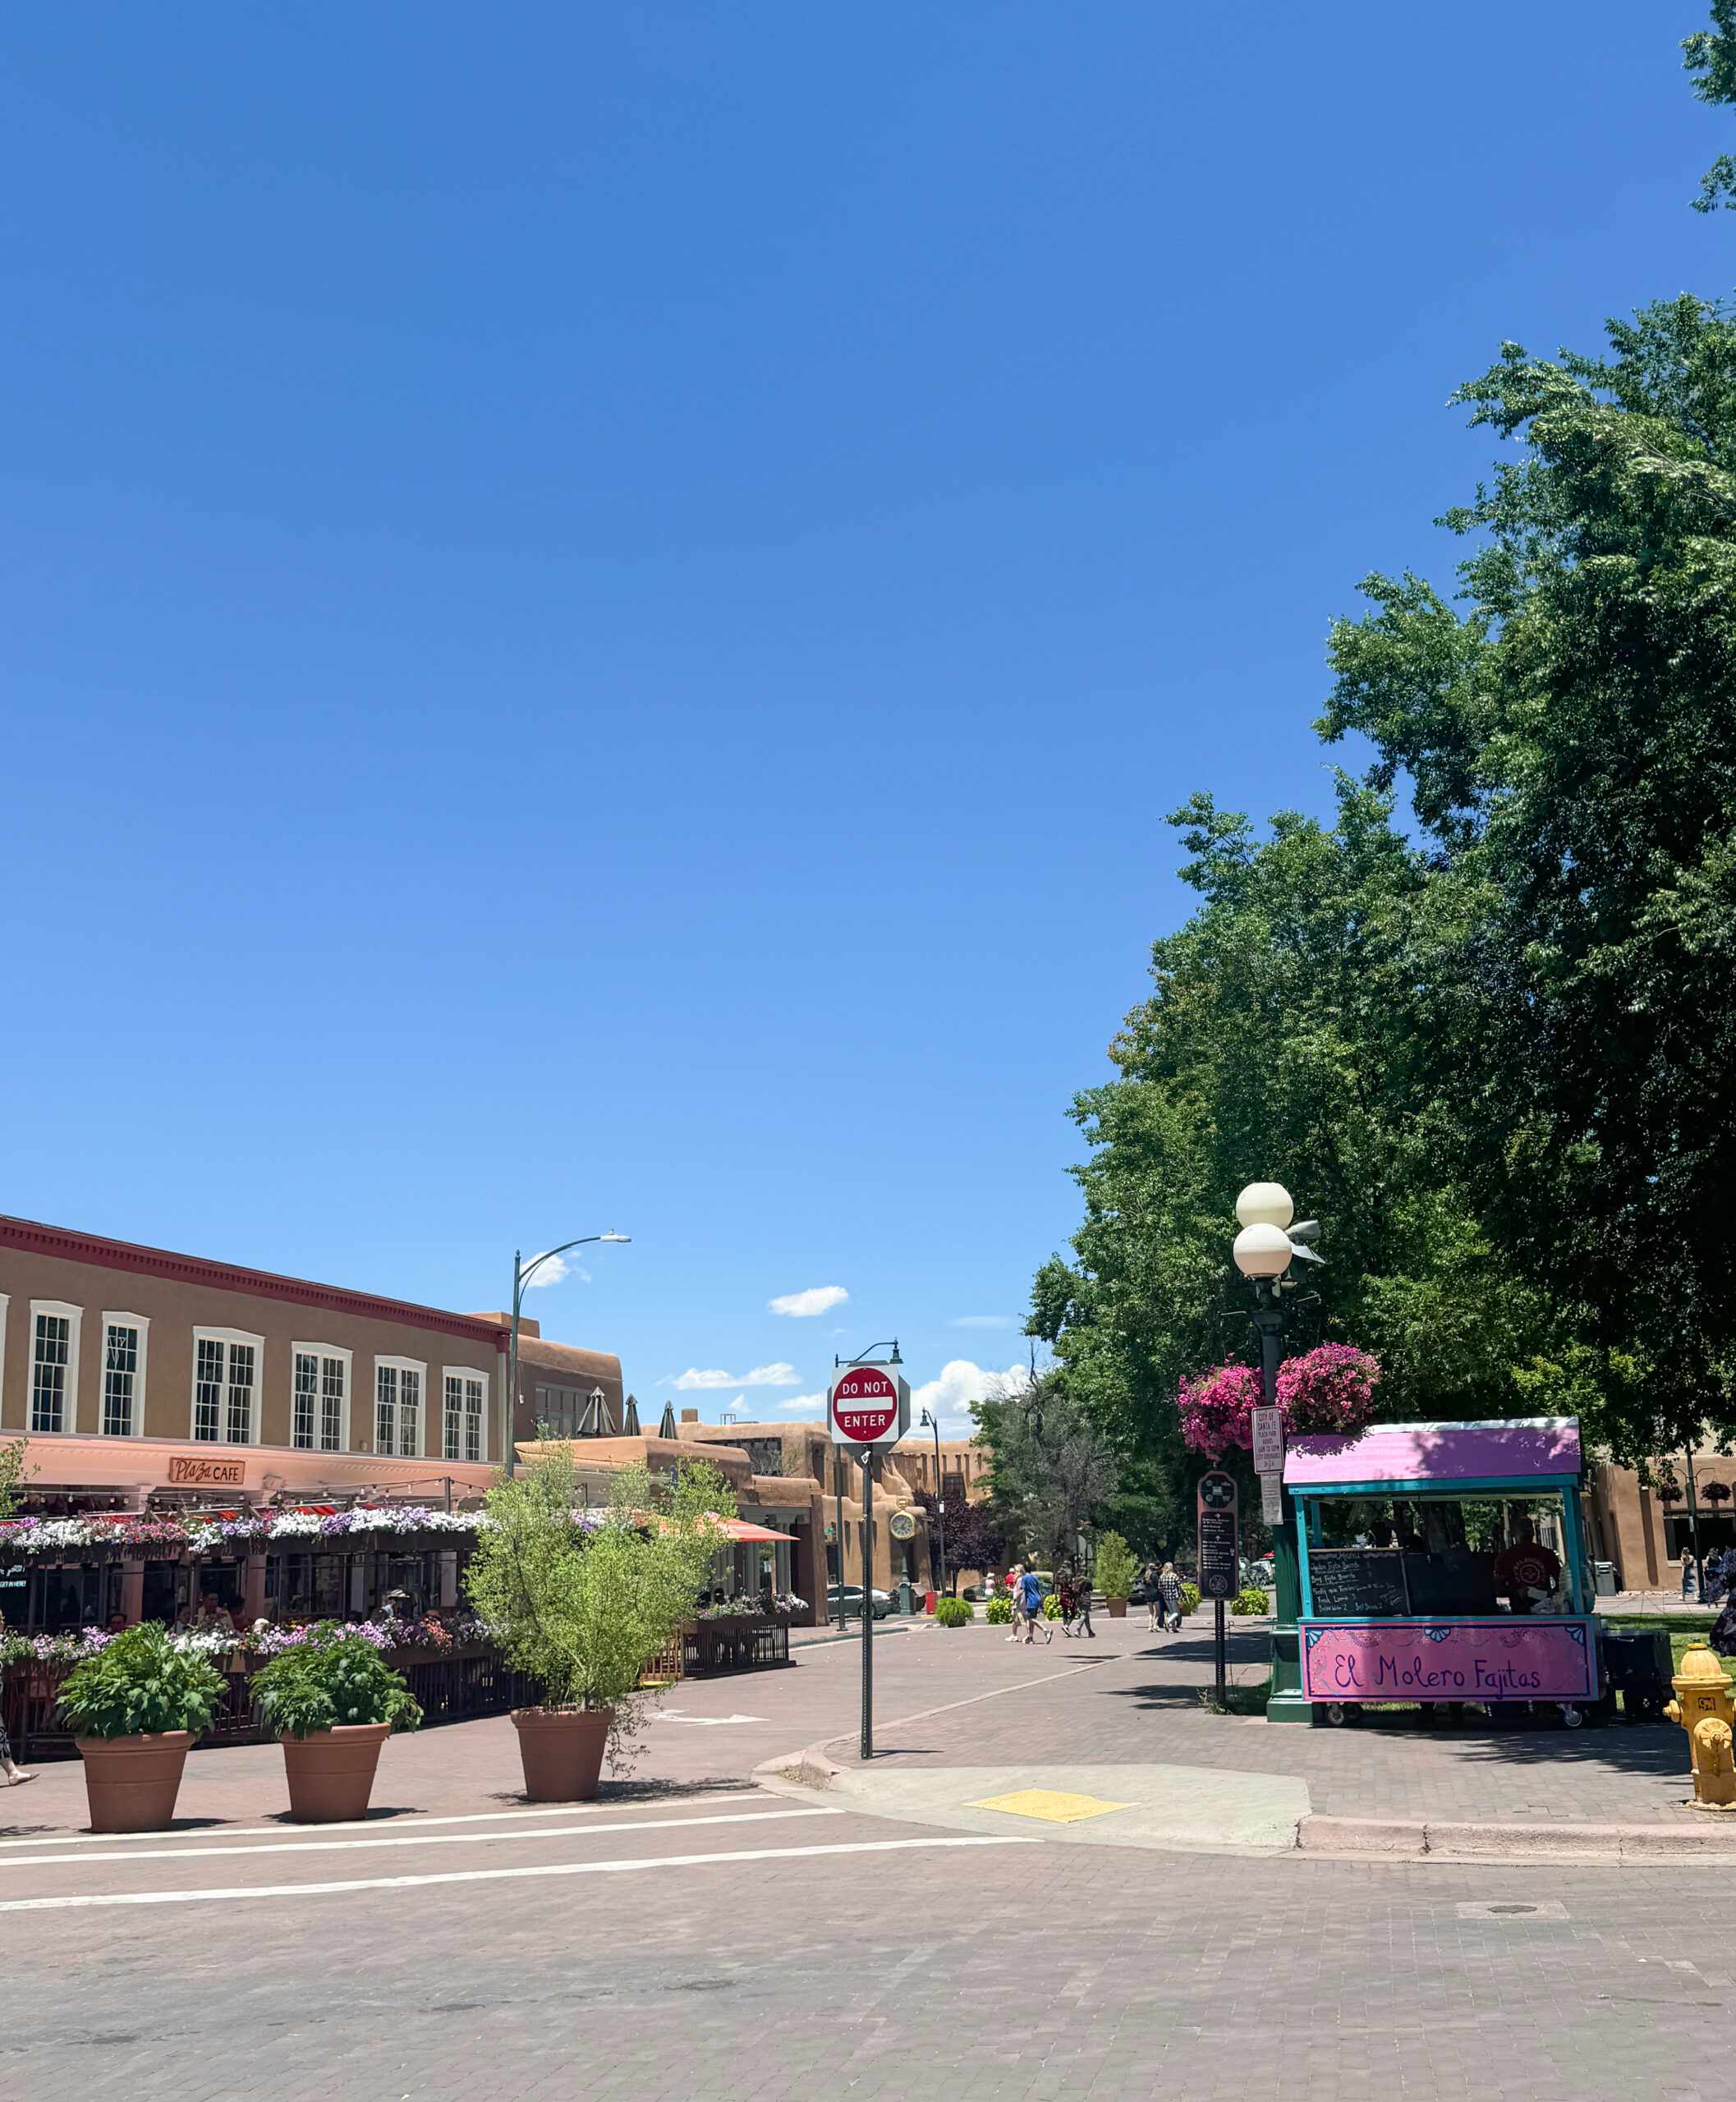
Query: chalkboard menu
(1365,1581)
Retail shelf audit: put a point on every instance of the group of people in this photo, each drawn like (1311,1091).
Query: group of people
(1163,1589)
(1072,1591)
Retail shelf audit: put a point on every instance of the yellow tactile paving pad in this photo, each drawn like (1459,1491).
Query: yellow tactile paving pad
(1048,1803)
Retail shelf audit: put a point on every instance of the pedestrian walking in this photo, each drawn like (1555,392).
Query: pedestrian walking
(1067,1591)
(1169,1590)
(1083,1599)
(1154,1598)
(1015,1591)
(1031,1586)
(11,1771)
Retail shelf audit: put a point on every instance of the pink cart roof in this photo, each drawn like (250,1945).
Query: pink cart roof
(1514,1446)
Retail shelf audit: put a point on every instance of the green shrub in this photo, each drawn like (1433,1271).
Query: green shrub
(999,1610)
(1251,1599)
(320,1686)
(1051,1608)
(582,1599)
(1116,1568)
(953,1613)
(139,1683)
(1190,1597)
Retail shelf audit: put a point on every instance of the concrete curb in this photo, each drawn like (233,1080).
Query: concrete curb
(807,1769)
(1366,1839)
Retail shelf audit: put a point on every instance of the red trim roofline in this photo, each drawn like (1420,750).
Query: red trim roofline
(37,1240)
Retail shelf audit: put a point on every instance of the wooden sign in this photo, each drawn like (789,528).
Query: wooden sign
(232,1474)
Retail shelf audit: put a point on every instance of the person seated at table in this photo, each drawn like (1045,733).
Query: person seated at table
(1527,1572)
(212,1612)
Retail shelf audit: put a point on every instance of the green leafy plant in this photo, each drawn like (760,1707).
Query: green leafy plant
(13,1470)
(328,1685)
(1251,1599)
(1116,1568)
(953,1613)
(582,1599)
(139,1684)
(999,1610)
(1051,1608)
(1189,1599)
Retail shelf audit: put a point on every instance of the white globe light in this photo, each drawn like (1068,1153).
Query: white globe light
(1262,1251)
(1265,1203)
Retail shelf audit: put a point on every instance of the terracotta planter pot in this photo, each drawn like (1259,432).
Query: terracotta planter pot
(132,1782)
(1117,1608)
(331,1772)
(563,1750)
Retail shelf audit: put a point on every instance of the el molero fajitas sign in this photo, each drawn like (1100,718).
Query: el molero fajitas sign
(867,1405)
(1504,1658)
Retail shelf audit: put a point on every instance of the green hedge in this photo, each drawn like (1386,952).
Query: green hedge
(1190,1597)
(954,1613)
(1251,1599)
(999,1610)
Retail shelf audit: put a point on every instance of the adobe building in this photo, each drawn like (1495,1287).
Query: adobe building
(577,1393)
(1645,1531)
(139,1377)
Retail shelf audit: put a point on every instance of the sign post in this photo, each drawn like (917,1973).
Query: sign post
(867,1410)
(1268,1463)
(1220,1577)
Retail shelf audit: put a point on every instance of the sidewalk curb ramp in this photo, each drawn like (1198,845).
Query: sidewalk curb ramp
(807,1768)
(1369,1838)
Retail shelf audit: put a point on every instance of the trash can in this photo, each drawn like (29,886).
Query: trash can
(930,1599)
(1636,1664)
(1604,1579)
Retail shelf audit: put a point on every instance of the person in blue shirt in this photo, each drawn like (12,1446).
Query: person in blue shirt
(1030,1586)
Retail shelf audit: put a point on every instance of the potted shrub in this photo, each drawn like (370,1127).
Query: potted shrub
(581,1601)
(1116,1571)
(333,1701)
(135,1706)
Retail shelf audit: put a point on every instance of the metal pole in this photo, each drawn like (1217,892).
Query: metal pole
(1284,1703)
(837,1490)
(940,1502)
(1693,1529)
(1220,1652)
(509,1455)
(867,1607)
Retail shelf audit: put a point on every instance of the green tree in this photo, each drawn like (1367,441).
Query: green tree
(1051,1466)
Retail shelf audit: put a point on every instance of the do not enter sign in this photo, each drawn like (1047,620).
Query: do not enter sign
(868,1405)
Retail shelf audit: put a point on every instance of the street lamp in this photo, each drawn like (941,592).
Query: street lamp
(522,1273)
(932,1423)
(1264,1250)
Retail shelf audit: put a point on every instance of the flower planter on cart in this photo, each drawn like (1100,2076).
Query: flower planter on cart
(331,1772)
(562,1750)
(131,1783)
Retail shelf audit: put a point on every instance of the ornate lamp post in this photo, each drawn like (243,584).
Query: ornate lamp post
(932,1423)
(1264,1251)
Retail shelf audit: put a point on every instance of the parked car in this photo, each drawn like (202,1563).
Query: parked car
(853,1602)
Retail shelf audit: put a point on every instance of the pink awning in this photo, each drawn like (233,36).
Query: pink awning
(740,1529)
(1509,1448)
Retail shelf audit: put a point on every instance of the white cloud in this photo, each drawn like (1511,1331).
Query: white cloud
(817,1298)
(985,1321)
(762,1376)
(805,1404)
(554,1269)
(961,1383)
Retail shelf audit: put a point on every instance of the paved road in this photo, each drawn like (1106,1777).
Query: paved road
(697,1938)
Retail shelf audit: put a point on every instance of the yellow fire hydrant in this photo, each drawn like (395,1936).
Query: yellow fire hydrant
(1703,1707)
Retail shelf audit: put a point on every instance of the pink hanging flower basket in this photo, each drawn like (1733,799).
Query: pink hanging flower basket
(1327,1391)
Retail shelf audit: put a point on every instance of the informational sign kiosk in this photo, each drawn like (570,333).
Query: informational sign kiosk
(1444,1563)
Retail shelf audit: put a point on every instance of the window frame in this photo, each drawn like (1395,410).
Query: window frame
(204,1332)
(58,1309)
(322,1351)
(387,1363)
(462,1372)
(140,1323)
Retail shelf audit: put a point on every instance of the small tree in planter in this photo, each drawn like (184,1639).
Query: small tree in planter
(582,1600)
(135,1707)
(333,1701)
(1116,1571)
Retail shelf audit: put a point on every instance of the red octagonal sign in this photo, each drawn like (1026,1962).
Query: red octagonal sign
(864,1405)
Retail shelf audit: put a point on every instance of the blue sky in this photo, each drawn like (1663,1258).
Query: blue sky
(601,604)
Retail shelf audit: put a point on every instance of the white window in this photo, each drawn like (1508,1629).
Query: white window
(54,1327)
(319,1410)
(466,1411)
(226,1385)
(397,1405)
(124,1338)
